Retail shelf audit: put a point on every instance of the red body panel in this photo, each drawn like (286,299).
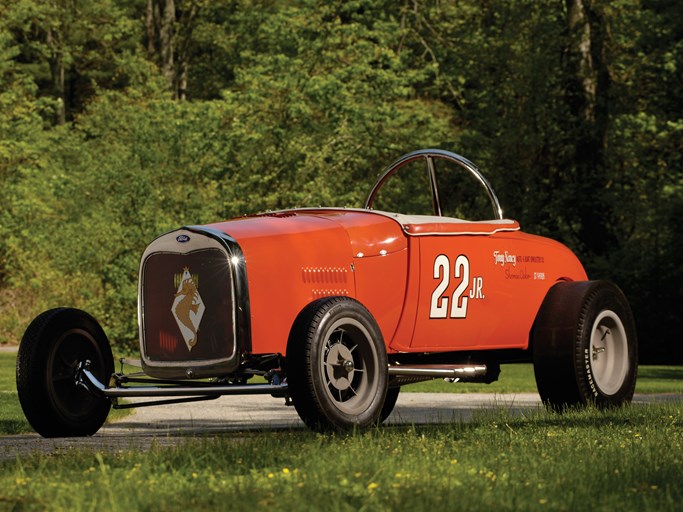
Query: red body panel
(430,286)
(483,292)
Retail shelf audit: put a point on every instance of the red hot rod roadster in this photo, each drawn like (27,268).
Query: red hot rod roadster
(336,308)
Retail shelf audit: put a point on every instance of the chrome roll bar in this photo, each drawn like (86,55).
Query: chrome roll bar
(429,155)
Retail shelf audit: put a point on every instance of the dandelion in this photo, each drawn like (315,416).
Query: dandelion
(285,471)
(372,486)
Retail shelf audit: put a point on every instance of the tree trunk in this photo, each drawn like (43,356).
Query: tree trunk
(166,40)
(56,62)
(160,20)
(169,25)
(150,26)
(588,101)
(582,46)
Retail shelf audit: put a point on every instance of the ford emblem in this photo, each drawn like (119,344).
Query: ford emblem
(183,239)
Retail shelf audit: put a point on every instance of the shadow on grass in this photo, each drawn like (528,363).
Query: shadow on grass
(12,427)
(663,373)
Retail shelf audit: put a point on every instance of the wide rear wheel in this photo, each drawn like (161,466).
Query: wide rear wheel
(337,365)
(50,351)
(584,346)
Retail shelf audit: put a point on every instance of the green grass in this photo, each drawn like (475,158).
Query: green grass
(519,378)
(624,459)
(12,420)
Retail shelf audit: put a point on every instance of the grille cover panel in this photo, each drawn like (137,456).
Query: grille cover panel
(187,307)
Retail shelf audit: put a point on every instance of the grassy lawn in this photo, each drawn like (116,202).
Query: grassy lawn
(519,378)
(12,419)
(625,459)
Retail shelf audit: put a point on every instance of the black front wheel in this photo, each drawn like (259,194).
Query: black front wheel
(337,365)
(50,351)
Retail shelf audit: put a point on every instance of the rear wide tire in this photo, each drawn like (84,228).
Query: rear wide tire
(585,349)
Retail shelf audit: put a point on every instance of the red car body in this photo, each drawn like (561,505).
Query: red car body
(431,284)
(338,308)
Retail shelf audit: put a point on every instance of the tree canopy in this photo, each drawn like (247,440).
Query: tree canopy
(120,119)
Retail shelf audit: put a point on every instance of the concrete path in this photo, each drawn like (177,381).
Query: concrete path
(248,415)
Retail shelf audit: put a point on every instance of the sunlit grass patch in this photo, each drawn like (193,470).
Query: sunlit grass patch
(519,378)
(623,459)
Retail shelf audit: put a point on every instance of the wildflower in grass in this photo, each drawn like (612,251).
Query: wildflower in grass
(372,486)
(285,471)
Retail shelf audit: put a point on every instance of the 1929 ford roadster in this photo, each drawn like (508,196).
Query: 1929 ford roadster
(335,309)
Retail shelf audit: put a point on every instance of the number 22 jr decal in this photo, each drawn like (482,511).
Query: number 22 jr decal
(460,298)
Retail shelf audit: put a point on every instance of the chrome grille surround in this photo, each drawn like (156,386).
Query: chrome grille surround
(219,302)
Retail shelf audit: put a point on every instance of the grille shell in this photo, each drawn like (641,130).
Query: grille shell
(192,283)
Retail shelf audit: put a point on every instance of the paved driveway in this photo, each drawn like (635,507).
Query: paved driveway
(246,415)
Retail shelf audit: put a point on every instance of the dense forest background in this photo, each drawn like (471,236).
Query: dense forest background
(121,119)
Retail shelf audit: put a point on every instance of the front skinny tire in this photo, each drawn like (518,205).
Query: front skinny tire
(50,351)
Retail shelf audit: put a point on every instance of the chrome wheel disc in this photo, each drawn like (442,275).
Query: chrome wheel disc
(609,352)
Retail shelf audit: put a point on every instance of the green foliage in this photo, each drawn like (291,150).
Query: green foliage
(72,48)
(302,104)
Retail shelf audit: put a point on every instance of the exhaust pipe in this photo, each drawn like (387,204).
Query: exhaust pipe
(460,372)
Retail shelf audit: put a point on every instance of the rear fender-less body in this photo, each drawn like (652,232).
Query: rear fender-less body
(432,284)
(482,291)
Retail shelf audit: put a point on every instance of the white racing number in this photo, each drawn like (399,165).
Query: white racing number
(459,299)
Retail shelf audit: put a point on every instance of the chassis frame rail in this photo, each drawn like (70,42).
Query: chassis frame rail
(193,392)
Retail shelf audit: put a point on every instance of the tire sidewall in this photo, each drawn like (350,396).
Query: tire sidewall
(39,348)
(604,297)
(305,355)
